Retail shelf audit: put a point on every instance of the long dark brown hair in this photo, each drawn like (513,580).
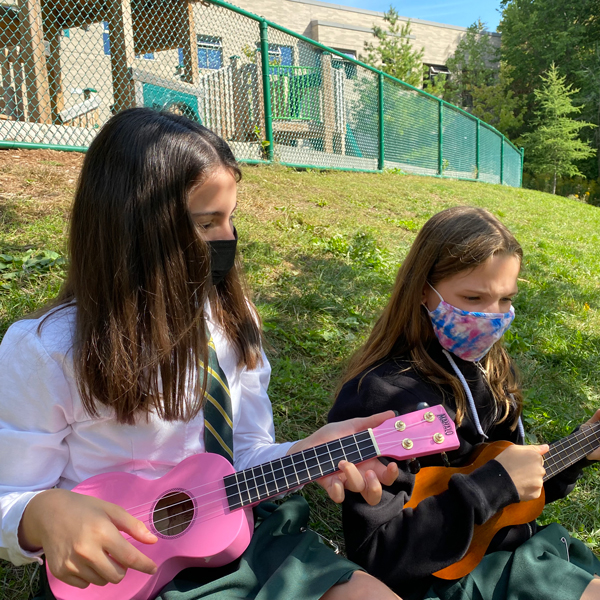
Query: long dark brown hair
(454,240)
(139,273)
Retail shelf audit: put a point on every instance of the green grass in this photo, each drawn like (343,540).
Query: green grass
(321,250)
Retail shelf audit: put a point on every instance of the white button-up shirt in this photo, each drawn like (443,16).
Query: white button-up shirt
(47,439)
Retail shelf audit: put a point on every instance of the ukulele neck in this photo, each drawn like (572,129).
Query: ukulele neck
(253,485)
(571,449)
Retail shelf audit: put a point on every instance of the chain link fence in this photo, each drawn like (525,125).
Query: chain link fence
(274,95)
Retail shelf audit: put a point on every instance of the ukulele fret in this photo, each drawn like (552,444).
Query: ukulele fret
(312,463)
(271,482)
(278,474)
(258,481)
(300,467)
(291,479)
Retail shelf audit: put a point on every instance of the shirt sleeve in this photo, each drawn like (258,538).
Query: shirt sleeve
(254,435)
(33,426)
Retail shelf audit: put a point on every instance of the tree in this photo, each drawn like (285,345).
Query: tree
(393,52)
(498,105)
(537,33)
(473,65)
(553,145)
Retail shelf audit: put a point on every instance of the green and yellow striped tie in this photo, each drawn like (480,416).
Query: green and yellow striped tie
(218,424)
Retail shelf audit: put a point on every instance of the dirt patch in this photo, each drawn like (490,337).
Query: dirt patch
(43,180)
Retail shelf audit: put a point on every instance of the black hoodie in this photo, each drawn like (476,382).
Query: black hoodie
(404,546)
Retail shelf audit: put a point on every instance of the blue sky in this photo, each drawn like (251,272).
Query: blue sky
(453,12)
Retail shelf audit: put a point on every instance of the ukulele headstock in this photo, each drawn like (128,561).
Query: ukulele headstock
(426,431)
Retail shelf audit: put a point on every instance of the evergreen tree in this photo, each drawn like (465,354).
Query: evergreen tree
(553,145)
(497,104)
(473,65)
(393,52)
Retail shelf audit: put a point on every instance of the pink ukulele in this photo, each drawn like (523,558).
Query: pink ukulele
(201,510)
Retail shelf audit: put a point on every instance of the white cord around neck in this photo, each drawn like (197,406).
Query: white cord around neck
(472,402)
(465,385)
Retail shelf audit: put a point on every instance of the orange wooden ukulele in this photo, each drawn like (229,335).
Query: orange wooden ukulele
(431,481)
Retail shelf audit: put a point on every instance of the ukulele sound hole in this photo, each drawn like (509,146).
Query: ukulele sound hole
(173,514)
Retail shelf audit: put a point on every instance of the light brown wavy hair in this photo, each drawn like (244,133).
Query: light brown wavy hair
(454,240)
(139,273)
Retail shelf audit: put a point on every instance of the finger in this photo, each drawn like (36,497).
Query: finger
(542,448)
(76,582)
(129,557)
(595,417)
(355,482)
(335,489)
(125,522)
(109,570)
(372,492)
(90,575)
(392,473)
(386,474)
(363,423)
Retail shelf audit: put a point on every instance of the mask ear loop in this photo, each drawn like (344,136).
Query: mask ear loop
(438,294)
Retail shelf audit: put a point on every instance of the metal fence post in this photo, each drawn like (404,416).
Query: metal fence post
(522,161)
(502,161)
(478,148)
(264,53)
(441,138)
(381,161)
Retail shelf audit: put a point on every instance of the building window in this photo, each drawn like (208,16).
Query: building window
(434,70)
(281,55)
(210,52)
(340,63)
(105,38)
(106,43)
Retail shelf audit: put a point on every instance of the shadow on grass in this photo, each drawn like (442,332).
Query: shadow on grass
(9,215)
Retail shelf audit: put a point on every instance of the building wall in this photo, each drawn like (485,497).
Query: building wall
(347,28)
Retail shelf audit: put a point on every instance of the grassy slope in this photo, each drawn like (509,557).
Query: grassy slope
(321,250)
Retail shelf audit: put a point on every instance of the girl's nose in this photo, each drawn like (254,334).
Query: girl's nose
(231,232)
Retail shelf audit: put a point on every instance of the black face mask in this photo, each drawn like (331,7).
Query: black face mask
(222,257)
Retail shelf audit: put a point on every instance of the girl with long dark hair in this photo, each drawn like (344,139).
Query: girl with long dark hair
(110,377)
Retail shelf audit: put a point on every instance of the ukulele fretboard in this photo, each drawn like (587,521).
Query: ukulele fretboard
(279,476)
(569,450)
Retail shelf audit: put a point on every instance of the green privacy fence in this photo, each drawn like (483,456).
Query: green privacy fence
(274,95)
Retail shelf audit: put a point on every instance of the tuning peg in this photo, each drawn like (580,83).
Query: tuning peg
(414,466)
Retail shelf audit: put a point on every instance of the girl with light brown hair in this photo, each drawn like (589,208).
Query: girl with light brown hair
(438,341)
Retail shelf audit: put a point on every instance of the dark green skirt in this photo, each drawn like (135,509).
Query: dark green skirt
(550,566)
(284,560)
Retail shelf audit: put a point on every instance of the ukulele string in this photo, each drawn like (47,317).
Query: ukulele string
(207,516)
(582,436)
(362,445)
(198,487)
(252,481)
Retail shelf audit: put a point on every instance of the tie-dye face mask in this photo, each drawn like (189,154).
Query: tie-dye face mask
(468,335)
